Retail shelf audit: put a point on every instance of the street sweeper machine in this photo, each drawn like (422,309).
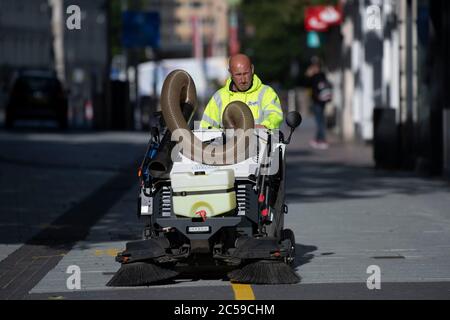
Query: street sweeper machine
(211,197)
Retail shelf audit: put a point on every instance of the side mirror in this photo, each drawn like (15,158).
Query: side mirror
(293,120)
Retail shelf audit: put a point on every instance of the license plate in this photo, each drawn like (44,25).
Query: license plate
(203,229)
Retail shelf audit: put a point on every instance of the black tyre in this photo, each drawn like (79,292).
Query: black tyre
(287,234)
(275,228)
(148,232)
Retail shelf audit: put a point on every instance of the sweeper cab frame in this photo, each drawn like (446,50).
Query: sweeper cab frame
(222,215)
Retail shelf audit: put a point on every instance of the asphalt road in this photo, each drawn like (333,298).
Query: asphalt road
(70,199)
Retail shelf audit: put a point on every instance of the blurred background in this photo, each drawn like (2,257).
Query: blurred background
(99,65)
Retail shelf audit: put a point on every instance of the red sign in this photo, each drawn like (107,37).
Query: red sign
(320,18)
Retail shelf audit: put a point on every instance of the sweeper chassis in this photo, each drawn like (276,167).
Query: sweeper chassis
(253,231)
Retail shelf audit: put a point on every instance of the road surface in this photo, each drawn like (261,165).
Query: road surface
(69,199)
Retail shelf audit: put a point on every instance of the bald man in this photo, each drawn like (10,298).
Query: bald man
(244,85)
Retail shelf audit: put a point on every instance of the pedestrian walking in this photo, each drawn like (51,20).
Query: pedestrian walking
(321,95)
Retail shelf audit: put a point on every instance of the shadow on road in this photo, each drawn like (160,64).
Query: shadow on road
(303,254)
(346,171)
(312,181)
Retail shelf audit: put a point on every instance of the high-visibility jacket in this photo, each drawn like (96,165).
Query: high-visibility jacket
(261,99)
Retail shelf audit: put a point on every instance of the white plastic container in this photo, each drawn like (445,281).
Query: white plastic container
(209,194)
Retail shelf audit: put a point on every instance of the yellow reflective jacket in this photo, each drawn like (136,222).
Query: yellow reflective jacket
(261,99)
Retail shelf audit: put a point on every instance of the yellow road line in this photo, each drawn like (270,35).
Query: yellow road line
(243,291)
(108,252)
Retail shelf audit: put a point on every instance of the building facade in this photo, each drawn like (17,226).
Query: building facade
(25,40)
(394,79)
(177,31)
(34,34)
(25,37)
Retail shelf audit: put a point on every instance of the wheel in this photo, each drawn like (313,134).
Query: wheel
(275,228)
(148,232)
(287,234)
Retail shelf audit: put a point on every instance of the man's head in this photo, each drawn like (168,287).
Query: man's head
(241,71)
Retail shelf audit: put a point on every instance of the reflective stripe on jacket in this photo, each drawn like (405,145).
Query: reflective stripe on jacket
(261,99)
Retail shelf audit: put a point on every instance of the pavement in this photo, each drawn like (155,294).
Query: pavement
(355,216)
(349,219)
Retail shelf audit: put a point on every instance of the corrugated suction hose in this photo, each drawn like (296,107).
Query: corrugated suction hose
(179,89)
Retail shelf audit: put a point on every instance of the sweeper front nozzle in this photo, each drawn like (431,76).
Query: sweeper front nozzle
(140,274)
(265,272)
